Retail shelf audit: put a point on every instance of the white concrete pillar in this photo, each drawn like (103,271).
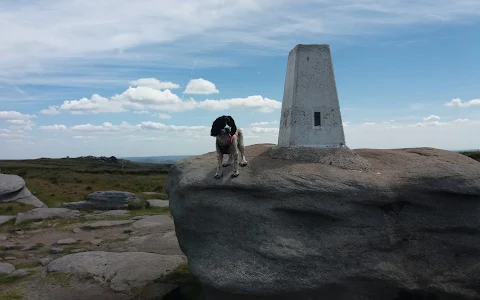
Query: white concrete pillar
(310,108)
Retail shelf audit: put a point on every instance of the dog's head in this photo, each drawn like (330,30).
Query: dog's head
(224,125)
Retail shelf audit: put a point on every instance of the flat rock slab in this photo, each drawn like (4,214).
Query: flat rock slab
(67,241)
(106,200)
(6,268)
(157,203)
(152,221)
(46,213)
(5,219)
(121,271)
(120,213)
(103,224)
(10,184)
(295,230)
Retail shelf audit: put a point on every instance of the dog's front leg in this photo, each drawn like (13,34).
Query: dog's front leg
(235,163)
(229,161)
(219,172)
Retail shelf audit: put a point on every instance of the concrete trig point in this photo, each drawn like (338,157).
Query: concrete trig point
(310,108)
(311,127)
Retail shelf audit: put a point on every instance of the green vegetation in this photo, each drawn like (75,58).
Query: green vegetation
(11,294)
(472,154)
(58,279)
(55,181)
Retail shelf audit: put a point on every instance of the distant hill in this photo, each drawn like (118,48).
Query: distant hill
(170,159)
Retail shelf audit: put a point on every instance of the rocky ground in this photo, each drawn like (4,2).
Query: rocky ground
(60,253)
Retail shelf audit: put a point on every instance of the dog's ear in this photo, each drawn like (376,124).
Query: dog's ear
(231,123)
(216,127)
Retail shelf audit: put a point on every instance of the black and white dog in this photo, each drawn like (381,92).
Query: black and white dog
(229,140)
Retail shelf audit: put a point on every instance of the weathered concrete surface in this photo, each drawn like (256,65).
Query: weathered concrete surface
(309,87)
(294,230)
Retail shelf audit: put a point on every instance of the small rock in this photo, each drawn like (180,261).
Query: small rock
(29,247)
(78,250)
(127,231)
(56,250)
(45,213)
(19,273)
(102,224)
(45,260)
(3,238)
(96,241)
(10,258)
(6,268)
(106,200)
(138,218)
(68,241)
(5,219)
(20,232)
(31,255)
(76,230)
(157,203)
(9,246)
(151,221)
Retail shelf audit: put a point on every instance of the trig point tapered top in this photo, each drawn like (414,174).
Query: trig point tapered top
(310,108)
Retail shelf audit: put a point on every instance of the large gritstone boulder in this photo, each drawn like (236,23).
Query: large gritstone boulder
(406,226)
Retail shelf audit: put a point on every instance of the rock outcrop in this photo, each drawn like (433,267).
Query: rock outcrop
(122,271)
(288,229)
(13,189)
(105,200)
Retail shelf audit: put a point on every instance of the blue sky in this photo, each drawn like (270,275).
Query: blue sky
(113,78)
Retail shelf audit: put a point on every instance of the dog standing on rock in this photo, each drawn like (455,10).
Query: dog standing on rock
(229,140)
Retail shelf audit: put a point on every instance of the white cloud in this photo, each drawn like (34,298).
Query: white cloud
(264,130)
(457,103)
(264,123)
(431,118)
(154,83)
(252,102)
(64,35)
(141,112)
(368,124)
(14,115)
(51,111)
(105,127)
(163,127)
(144,99)
(84,137)
(163,116)
(201,86)
(21,124)
(54,127)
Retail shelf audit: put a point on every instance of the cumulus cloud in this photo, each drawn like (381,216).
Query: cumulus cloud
(50,111)
(143,99)
(457,103)
(15,115)
(54,127)
(21,124)
(163,116)
(258,103)
(163,127)
(264,123)
(105,127)
(264,130)
(201,86)
(154,83)
(431,118)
